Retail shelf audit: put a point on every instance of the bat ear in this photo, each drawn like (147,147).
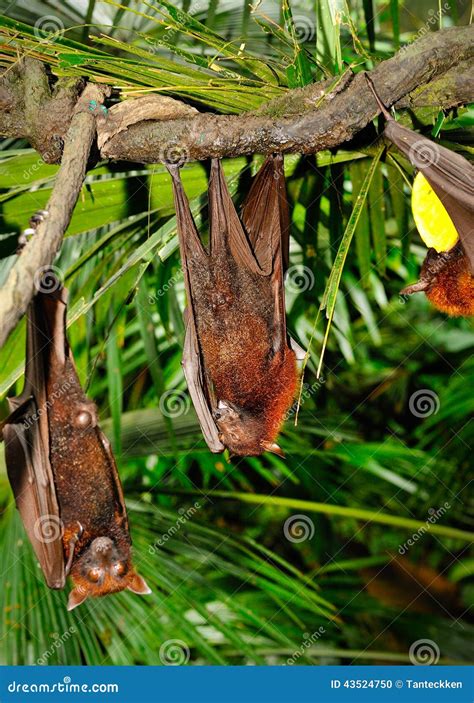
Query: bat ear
(273,448)
(137,584)
(76,597)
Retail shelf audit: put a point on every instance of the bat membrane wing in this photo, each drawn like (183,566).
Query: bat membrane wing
(265,215)
(199,387)
(31,478)
(225,226)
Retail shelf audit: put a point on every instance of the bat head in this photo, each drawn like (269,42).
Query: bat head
(447,281)
(243,433)
(104,567)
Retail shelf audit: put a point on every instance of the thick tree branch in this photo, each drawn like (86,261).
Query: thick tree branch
(436,69)
(40,251)
(30,109)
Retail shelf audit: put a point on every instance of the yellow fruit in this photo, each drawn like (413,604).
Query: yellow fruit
(431,218)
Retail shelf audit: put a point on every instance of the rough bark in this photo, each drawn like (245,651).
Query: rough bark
(38,254)
(436,69)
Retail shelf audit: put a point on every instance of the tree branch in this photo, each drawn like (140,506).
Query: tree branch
(435,69)
(39,252)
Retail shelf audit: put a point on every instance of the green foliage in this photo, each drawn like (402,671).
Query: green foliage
(364,470)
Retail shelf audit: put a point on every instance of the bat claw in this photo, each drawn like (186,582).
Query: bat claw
(38,217)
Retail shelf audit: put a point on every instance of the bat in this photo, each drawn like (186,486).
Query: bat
(447,278)
(61,467)
(239,363)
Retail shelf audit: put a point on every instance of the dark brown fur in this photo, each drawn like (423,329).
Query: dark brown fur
(82,479)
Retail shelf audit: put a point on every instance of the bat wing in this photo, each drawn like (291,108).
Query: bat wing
(120,501)
(225,226)
(265,216)
(192,251)
(26,436)
(199,387)
(450,175)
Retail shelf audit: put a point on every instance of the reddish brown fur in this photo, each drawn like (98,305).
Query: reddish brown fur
(453,289)
(234,315)
(84,473)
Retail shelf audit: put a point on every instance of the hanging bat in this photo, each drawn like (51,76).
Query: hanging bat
(447,278)
(238,361)
(61,467)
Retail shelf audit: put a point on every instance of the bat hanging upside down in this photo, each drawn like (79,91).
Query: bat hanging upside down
(61,467)
(447,277)
(239,362)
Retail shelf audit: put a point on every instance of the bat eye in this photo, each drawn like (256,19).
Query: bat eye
(118,569)
(94,575)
